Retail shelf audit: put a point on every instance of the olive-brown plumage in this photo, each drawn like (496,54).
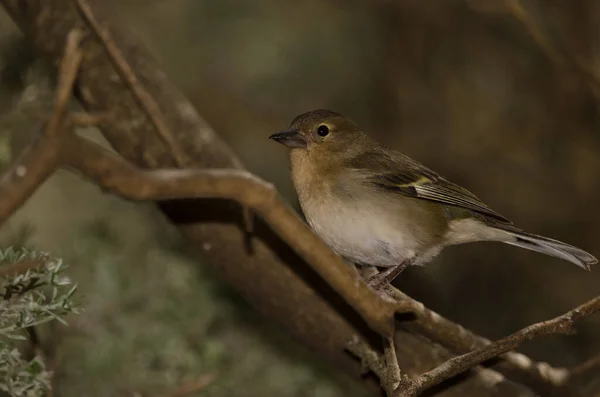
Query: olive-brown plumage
(378,207)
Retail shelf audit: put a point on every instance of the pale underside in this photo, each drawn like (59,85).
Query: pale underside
(384,230)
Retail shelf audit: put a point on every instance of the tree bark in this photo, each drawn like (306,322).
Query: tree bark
(270,276)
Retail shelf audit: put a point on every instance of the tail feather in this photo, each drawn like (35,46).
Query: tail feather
(549,246)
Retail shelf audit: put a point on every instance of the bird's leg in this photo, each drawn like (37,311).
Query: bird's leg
(382,279)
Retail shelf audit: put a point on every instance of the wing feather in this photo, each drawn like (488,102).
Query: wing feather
(399,173)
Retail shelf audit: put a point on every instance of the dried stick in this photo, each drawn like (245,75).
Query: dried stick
(122,178)
(564,324)
(146,101)
(38,161)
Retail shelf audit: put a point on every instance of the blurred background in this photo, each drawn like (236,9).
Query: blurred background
(499,96)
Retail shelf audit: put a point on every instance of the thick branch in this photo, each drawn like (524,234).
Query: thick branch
(120,177)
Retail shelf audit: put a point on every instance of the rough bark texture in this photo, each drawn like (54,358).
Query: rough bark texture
(271,276)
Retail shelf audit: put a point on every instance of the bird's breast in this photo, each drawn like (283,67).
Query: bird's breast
(358,222)
(360,230)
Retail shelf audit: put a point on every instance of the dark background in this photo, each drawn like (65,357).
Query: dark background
(499,96)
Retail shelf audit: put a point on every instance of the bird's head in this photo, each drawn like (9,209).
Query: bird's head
(321,131)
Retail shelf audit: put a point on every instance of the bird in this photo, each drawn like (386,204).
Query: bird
(374,206)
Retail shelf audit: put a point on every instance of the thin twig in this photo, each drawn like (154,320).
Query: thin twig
(564,324)
(41,158)
(516,9)
(122,178)
(146,101)
(590,75)
(67,73)
(588,367)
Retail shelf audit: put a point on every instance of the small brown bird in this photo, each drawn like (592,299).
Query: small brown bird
(377,207)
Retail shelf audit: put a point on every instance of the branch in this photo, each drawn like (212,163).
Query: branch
(516,9)
(38,161)
(459,340)
(587,72)
(564,324)
(122,178)
(146,101)
(591,366)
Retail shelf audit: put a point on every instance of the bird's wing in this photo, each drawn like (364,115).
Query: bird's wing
(399,173)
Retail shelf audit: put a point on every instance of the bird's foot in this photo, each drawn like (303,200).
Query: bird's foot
(382,279)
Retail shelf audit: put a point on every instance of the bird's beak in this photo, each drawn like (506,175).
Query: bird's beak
(290,138)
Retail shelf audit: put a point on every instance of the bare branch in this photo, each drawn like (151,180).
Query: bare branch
(67,73)
(516,9)
(564,324)
(589,74)
(37,162)
(459,340)
(146,100)
(588,367)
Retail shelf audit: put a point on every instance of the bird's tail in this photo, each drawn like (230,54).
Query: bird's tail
(548,246)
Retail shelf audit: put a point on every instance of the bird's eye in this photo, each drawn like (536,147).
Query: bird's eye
(323,130)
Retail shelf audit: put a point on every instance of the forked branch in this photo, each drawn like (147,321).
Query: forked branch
(564,324)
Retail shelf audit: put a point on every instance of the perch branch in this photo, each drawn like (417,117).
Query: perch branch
(122,178)
(459,340)
(564,324)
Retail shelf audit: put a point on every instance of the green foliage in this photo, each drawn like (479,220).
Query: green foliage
(33,295)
